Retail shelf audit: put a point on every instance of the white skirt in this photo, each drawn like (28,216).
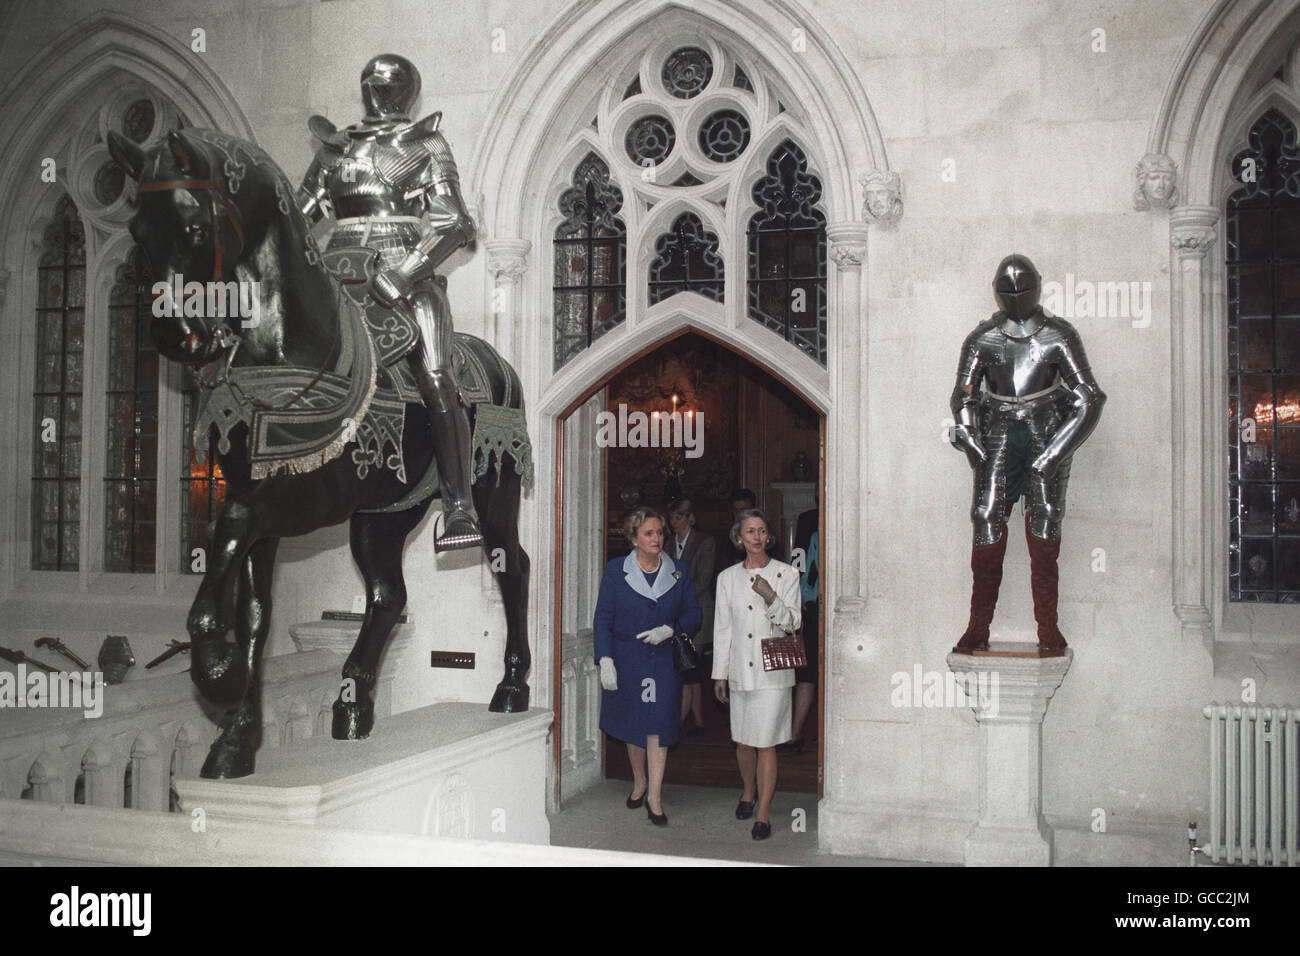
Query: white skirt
(761,718)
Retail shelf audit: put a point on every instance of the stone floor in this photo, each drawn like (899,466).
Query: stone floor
(701,823)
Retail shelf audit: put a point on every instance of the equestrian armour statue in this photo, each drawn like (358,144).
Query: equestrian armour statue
(391,185)
(1025,400)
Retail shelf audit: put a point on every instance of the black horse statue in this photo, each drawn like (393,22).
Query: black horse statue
(215,209)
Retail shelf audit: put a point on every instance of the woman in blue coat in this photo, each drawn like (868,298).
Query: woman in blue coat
(644,600)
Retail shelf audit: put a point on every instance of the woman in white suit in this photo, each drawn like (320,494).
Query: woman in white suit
(756,599)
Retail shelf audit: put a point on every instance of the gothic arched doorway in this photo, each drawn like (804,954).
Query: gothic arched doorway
(754,424)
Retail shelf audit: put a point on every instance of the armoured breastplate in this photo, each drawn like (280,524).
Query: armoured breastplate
(1020,366)
(376,179)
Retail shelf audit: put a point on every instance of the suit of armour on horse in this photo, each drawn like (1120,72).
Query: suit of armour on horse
(392,186)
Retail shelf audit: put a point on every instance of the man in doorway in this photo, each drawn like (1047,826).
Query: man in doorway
(698,552)
(729,554)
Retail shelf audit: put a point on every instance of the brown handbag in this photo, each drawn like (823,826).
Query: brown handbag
(785,652)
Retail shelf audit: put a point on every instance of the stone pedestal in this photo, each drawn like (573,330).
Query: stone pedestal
(451,769)
(1014,685)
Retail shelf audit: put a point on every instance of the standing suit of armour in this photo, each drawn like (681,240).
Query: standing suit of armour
(393,188)
(1024,401)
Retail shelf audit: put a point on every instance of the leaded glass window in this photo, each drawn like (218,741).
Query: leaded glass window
(203,489)
(590,260)
(787,252)
(131,483)
(687,72)
(57,398)
(650,140)
(1263,275)
(687,260)
(724,136)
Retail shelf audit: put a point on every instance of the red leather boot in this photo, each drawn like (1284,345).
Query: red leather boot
(1043,581)
(986,574)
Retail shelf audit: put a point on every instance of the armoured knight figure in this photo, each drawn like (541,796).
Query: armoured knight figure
(1024,402)
(392,186)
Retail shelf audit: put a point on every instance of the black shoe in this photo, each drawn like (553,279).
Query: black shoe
(745,809)
(635,804)
(694,730)
(658,819)
(761,830)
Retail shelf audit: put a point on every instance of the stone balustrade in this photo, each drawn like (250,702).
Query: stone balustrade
(151,731)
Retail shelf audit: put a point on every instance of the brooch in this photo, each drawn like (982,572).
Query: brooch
(677,575)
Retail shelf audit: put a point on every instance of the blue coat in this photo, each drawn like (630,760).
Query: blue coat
(627,605)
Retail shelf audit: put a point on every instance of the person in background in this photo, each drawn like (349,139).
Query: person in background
(698,552)
(741,500)
(756,599)
(645,598)
(806,540)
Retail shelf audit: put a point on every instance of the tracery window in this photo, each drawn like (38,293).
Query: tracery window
(130,507)
(57,398)
(1263,286)
(694,124)
(687,260)
(131,383)
(590,261)
(787,253)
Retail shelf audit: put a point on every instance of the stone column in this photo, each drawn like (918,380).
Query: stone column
(847,451)
(1013,690)
(1192,231)
(507,261)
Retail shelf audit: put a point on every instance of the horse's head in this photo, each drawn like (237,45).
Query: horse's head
(189,226)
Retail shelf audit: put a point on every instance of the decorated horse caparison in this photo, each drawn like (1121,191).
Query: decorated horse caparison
(315,419)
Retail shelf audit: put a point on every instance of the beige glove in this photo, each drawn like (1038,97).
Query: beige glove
(764,590)
(608,675)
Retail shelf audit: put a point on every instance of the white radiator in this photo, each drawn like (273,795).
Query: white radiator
(1254,795)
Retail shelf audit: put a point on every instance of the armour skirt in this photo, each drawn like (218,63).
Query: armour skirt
(761,718)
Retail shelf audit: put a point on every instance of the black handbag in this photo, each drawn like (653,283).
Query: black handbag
(686,656)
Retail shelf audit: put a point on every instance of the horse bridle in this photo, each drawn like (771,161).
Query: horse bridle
(226,212)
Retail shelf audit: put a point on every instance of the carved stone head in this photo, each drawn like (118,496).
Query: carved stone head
(1157,182)
(882,196)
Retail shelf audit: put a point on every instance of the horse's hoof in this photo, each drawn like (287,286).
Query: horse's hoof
(228,763)
(353,721)
(509,699)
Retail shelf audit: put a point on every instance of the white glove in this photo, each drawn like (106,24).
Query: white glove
(656,635)
(608,675)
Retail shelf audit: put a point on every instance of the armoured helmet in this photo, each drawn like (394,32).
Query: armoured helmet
(1017,286)
(390,85)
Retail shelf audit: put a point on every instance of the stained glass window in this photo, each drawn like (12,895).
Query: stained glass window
(57,399)
(203,489)
(787,252)
(590,260)
(130,496)
(1263,276)
(687,260)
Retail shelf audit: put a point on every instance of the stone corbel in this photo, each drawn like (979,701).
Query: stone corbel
(882,197)
(1157,182)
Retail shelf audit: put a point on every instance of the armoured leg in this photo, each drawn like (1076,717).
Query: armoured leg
(1043,534)
(431,362)
(986,572)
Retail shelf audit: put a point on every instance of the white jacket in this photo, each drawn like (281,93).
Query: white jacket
(741,620)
